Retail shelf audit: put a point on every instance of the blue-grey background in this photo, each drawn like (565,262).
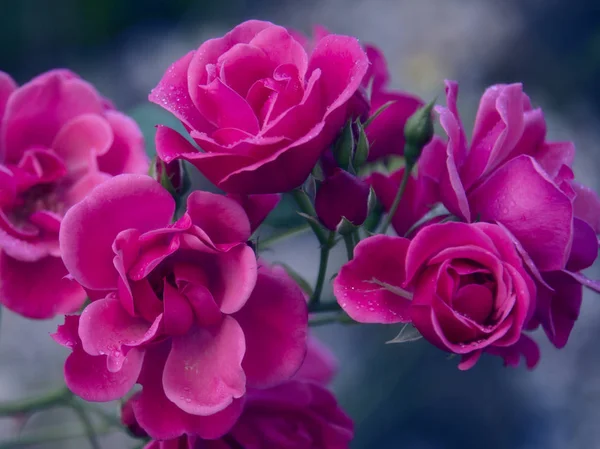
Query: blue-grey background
(407,396)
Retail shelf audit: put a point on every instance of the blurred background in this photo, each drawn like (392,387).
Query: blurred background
(407,396)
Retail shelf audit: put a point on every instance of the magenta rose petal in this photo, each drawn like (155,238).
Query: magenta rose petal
(360,287)
(281,48)
(242,65)
(38,289)
(88,132)
(188,383)
(52,98)
(127,153)
(223,219)
(274,322)
(587,205)
(85,229)
(320,364)
(119,332)
(172,94)
(163,419)
(545,232)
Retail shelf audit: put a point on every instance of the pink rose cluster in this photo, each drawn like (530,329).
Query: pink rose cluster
(504,254)
(492,234)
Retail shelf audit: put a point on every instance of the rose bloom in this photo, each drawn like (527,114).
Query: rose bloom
(260,107)
(184,308)
(511,175)
(298,414)
(463,286)
(58,139)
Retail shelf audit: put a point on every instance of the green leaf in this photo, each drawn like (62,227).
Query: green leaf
(302,283)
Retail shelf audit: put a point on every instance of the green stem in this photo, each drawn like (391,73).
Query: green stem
(88,427)
(57,397)
(265,243)
(305,205)
(325,249)
(49,436)
(396,203)
(349,242)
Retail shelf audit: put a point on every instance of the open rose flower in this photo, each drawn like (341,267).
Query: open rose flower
(58,139)
(261,109)
(183,308)
(297,414)
(463,286)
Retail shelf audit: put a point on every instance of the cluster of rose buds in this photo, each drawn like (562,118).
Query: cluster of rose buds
(491,236)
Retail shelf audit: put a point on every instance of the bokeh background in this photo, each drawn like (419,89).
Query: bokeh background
(407,396)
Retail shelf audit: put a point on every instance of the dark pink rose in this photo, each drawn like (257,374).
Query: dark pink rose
(386,132)
(510,173)
(261,109)
(297,414)
(58,139)
(463,286)
(183,308)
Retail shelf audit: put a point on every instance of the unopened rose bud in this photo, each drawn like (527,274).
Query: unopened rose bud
(172,175)
(418,132)
(342,196)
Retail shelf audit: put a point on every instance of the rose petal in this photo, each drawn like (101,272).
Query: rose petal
(38,289)
(203,372)
(257,207)
(274,322)
(127,153)
(521,197)
(377,260)
(162,419)
(86,231)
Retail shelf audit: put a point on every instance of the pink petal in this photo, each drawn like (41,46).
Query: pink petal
(38,289)
(585,246)
(274,321)
(469,360)
(378,71)
(84,136)
(236,278)
(178,315)
(521,197)
(343,64)
(281,48)
(242,65)
(203,372)
(222,218)
(87,376)
(257,207)
(172,94)
(357,287)
(163,419)
(210,51)
(86,231)
(105,328)
(225,108)
(127,153)
(36,111)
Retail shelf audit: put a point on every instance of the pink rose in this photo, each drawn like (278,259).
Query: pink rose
(58,139)
(297,414)
(185,310)
(261,108)
(468,290)
(509,173)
